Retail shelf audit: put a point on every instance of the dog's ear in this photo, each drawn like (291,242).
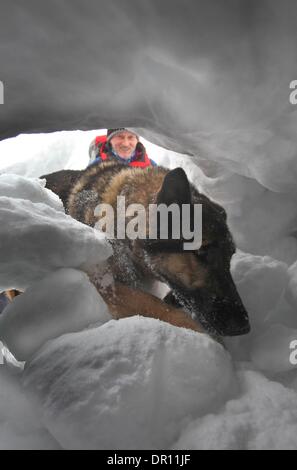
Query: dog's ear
(175,188)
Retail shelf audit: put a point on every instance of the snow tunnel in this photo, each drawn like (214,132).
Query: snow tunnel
(209,86)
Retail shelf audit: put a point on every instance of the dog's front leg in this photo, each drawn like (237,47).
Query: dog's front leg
(124,301)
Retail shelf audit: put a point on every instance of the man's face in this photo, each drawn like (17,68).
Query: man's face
(124,144)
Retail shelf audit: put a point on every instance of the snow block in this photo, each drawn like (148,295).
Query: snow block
(32,189)
(261,281)
(129,384)
(20,427)
(63,302)
(263,417)
(36,240)
(271,351)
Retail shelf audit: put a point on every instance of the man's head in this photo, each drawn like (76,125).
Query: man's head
(123,141)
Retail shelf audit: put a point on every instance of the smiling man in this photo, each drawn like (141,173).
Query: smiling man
(120,144)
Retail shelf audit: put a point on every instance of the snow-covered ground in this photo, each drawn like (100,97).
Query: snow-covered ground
(92,382)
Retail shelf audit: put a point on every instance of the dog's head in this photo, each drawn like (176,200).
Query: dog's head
(200,278)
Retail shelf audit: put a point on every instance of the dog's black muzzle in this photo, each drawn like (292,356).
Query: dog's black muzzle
(225,315)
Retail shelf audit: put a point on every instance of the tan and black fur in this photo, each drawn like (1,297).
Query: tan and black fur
(203,295)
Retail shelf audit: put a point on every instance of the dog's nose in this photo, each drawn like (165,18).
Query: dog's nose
(230,318)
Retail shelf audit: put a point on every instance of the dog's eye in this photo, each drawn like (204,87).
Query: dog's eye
(203,252)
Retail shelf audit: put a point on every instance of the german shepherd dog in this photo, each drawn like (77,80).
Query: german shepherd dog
(203,296)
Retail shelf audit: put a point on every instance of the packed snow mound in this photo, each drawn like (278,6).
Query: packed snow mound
(129,384)
(270,351)
(263,222)
(20,427)
(64,301)
(32,189)
(263,285)
(264,417)
(261,281)
(36,239)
